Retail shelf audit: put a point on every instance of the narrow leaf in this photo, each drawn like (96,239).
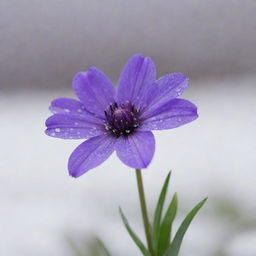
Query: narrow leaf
(101,247)
(158,211)
(166,226)
(134,237)
(74,248)
(173,249)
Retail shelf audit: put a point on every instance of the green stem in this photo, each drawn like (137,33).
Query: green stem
(144,211)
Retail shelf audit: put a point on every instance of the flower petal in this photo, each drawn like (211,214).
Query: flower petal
(67,105)
(174,113)
(165,89)
(136,78)
(94,89)
(137,149)
(70,126)
(90,154)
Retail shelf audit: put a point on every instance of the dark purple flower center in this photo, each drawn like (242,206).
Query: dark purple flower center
(121,119)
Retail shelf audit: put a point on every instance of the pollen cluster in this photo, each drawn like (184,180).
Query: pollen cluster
(121,119)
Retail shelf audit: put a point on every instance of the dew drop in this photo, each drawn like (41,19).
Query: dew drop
(57,130)
(67,110)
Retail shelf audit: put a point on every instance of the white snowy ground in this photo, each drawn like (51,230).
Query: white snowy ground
(40,205)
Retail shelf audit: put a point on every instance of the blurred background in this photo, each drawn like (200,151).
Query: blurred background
(43,44)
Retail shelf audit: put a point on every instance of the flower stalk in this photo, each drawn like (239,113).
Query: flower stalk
(144,211)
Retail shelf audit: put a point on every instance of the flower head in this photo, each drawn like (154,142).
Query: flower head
(119,120)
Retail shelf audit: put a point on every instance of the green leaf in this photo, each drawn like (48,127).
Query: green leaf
(101,248)
(166,226)
(134,237)
(173,249)
(158,212)
(74,248)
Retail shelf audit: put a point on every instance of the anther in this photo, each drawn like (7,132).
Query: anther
(121,119)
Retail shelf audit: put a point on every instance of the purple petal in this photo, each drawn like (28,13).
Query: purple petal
(67,105)
(136,78)
(70,126)
(165,89)
(90,154)
(174,113)
(95,90)
(136,150)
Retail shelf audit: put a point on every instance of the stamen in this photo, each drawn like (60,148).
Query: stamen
(121,119)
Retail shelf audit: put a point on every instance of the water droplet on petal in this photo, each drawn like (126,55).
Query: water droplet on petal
(57,130)
(178,89)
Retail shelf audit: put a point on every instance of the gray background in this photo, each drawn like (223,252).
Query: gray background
(44,43)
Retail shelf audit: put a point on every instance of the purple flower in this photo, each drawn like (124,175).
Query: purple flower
(119,120)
